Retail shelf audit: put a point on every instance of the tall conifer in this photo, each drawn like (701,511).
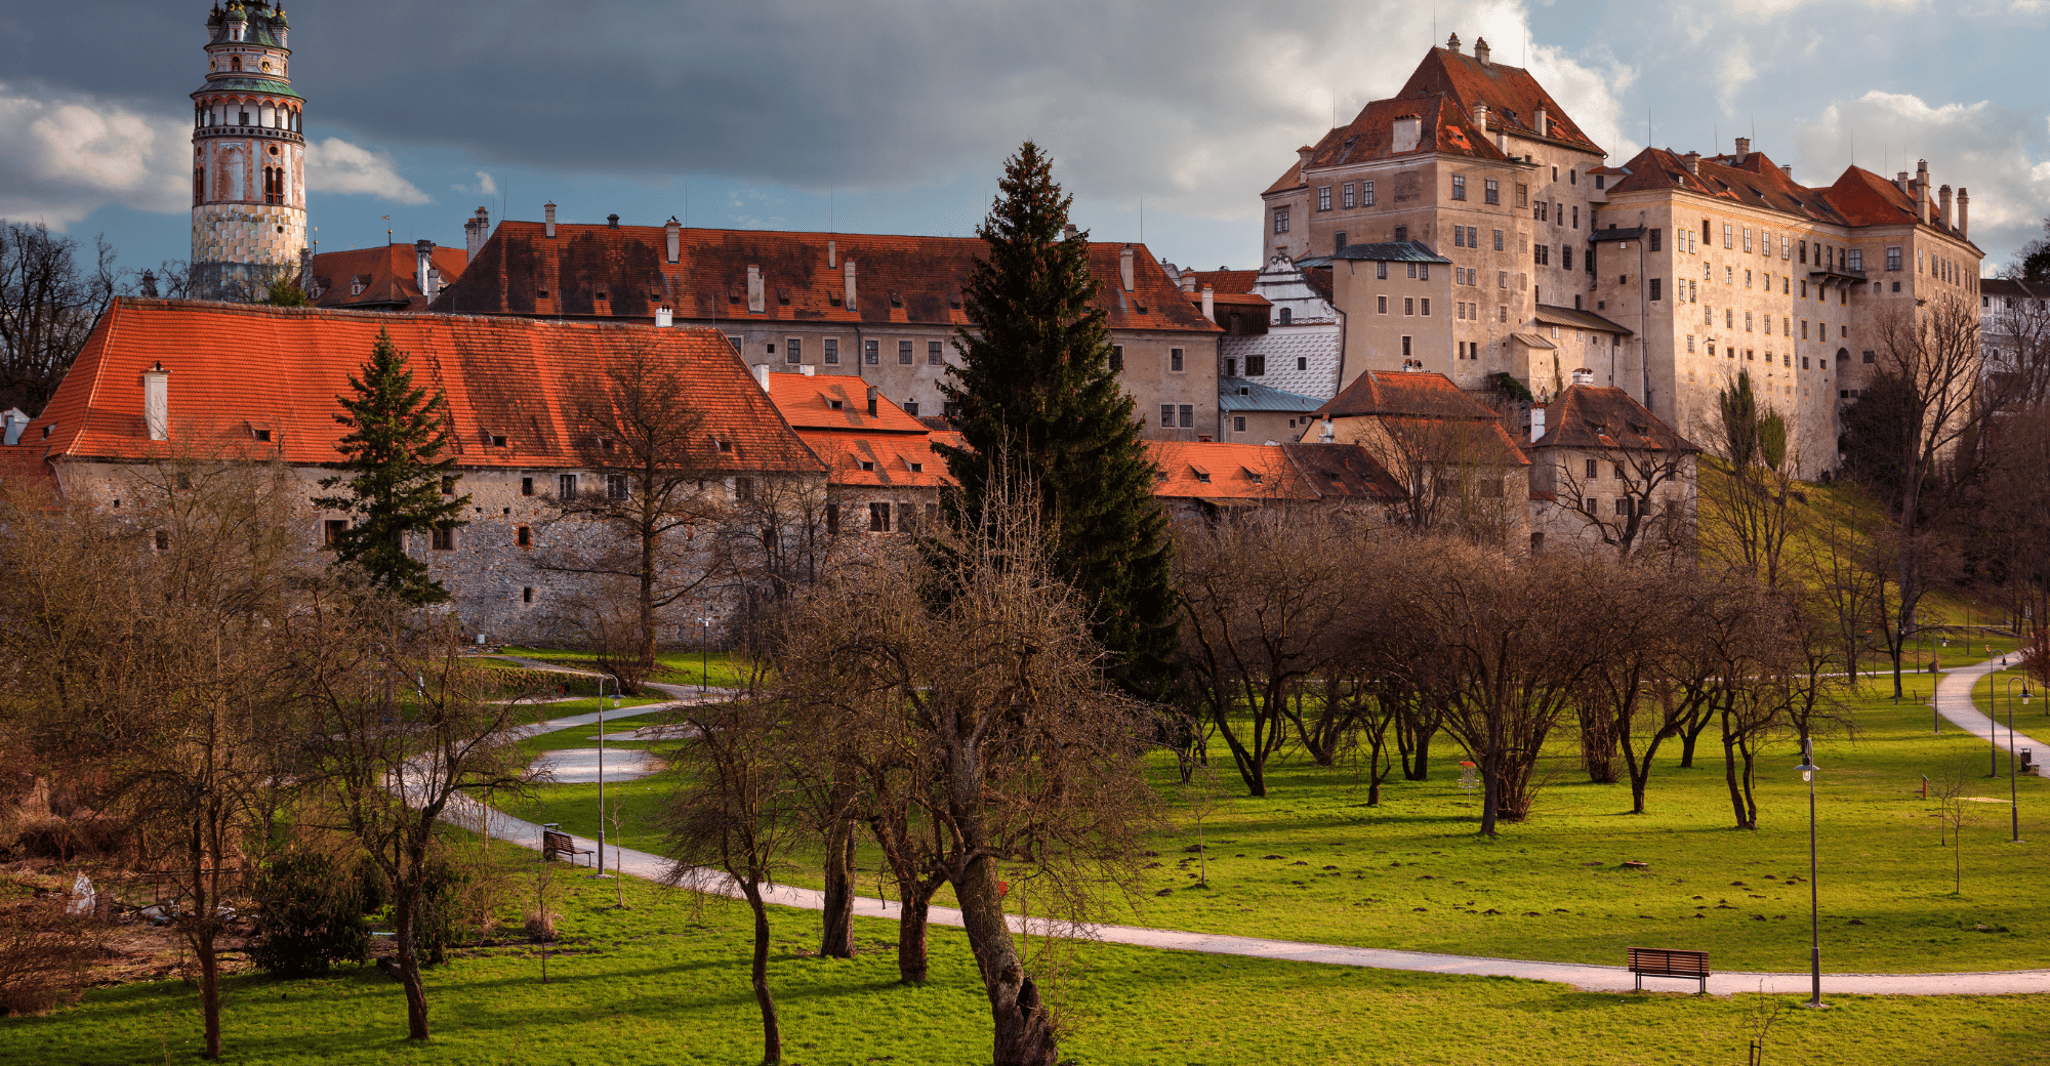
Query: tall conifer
(1035,392)
(395,474)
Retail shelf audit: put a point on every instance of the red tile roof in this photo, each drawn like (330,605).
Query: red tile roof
(1223,281)
(1857,198)
(1587,416)
(888,449)
(1427,395)
(807,402)
(236,369)
(1511,93)
(1219,472)
(390,275)
(606,272)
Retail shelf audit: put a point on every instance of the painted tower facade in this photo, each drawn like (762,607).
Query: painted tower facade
(248,155)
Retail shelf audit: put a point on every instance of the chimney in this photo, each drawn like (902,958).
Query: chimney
(832,255)
(1480,50)
(1743,148)
(754,288)
(548,212)
(1125,267)
(1068,233)
(849,270)
(156,402)
(1900,182)
(611,221)
(1189,282)
(872,392)
(1537,422)
(808,370)
(423,253)
(1693,161)
(672,231)
(1480,115)
(1583,376)
(1209,303)
(1408,129)
(1452,43)
(1964,213)
(761,373)
(17,421)
(1787,168)
(475,231)
(1543,121)
(1327,436)
(1944,195)
(1922,190)
(664,318)
(1303,154)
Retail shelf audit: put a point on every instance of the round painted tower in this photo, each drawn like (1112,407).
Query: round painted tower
(248,155)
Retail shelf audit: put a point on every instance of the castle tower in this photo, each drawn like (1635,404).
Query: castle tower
(248,155)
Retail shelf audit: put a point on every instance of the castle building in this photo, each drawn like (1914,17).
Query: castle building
(248,154)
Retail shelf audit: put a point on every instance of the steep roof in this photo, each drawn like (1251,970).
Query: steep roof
(830,413)
(1223,281)
(1243,474)
(240,373)
(623,272)
(1510,92)
(390,274)
(1421,395)
(1752,180)
(837,402)
(1589,416)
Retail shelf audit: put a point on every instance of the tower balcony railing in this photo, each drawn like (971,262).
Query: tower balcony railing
(270,132)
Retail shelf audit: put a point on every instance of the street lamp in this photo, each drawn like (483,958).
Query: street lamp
(602,678)
(1807,769)
(2013,797)
(704,651)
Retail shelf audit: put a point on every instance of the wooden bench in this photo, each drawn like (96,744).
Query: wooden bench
(1669,962)
(554,844)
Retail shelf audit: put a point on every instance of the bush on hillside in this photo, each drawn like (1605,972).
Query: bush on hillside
(310,916)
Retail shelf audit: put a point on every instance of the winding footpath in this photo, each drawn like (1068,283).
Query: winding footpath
(1953,702)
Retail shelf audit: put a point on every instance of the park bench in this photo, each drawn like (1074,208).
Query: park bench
(554,844)
(1669,962)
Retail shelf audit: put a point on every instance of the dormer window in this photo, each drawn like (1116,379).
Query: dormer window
(1202,475)
(725,446)
(836,404)
(918,468)
(263,435)
(868,464)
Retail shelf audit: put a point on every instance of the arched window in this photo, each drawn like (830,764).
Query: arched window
(1287,315)
(235,63)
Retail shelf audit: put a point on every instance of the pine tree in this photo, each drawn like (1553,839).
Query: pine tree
(397,482)
(1035,392)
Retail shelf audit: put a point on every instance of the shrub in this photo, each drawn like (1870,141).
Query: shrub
(310,916)
(43,956)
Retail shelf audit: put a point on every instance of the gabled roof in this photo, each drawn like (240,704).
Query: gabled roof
(1511,93)
(1245,394)
(1244,474)
(1752,180)
(888,460)
(1574,318)
(623,272)
(237,369)
(1421,395)
(390,275)
(1223,281)
(1593,417)
(837,402)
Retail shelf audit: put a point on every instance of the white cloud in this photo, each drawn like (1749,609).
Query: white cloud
(485,186)
(336,166)
(64,155)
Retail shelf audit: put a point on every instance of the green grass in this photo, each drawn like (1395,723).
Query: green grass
(720,669)
(666,983)
(1412,874)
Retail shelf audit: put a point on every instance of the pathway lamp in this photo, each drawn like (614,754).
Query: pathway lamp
(1807,769)
(704,651)
(2014,809)
(601,764)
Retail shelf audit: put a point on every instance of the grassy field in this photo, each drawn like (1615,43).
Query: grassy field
(1313,862)
(665,982)
(720,669)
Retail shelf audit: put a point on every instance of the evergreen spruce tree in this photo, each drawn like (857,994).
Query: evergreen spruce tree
(395,474)
(1035,393)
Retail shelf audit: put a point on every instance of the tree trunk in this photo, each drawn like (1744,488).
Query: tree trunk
(836,938)
(1024,1033)
(1730,778)
(1414,740)
(911,954)
(772,1033)
(1490,796)
(405,916)
(201,924)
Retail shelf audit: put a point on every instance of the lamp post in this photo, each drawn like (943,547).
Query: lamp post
(704,651)
(2014,809)
(1807,769)
(602,678)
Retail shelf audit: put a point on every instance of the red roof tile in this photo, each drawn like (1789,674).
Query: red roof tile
(1254,473)
(1587,416)
(1428,395)
(390,277)
(1223,281)
(808,402)
(1510,92)
(623,272)
(238,368)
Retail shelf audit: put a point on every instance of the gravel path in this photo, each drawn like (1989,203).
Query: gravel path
(1953,702)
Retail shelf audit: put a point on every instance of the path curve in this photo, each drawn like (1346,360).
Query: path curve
(641,864)
(1954,703)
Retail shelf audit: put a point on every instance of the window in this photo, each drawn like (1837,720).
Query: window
(1459,186)
(618,487)
(331,531)
(1623,505)
(1522,195)
(523,536)
(1323,197)
(1592,470)
(1287,316)
(1857,259)
(1541,254)
(911,408)
(1747,238)
(527,595)
(1117,358)
(1338,242)
(1655,283)
(526,486)
(744,489)
(1256,366)
(1366,194)
(1491,191)
(1380,272)
(1502,282)
(448,486)
(1349,201)
(444,537)
(1409,305)
(832,351)
(832,519)
(1473,234)
(1402,233)
(1690,343)
(1871,357)
(566,487)
(1381,304)
(1167,416)
(1426,307)
(932,353)
(879,518)
(1423,271)
(732,339)
(903,353)
(1893,257)
(1498,240)
(1238,423)
(1747,322)
(1728,232)
(1458,236)
(1566,256)
(1174,359)
(1405,346)
(1302,362)
(1656,235)
(872,352)
(1188,416)
(1617,473)
(1281,220)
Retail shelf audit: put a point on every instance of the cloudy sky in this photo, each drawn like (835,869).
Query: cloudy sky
(895,115)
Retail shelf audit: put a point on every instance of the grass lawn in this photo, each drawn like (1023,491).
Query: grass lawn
(665,982)
(1313,862)
(720,669)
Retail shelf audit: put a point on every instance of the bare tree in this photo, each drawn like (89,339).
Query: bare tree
(1455,474)
(1954,812)
(49,303)
(1748,508)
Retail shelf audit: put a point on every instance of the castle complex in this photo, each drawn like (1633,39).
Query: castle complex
(248,154)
